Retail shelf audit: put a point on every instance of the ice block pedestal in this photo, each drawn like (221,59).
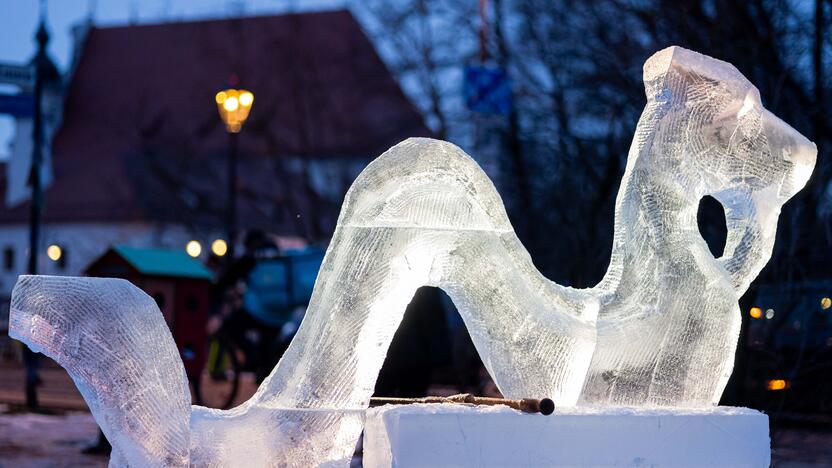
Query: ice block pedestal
(458,435)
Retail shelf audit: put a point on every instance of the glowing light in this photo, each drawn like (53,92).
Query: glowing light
(234,106)
(777,384)
(825,303)
(231,104)
(54,252)
(755,312)
(219,247)
(246,99)
(193,248)
(770,314)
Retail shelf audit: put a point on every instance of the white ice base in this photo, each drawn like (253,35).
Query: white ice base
(457,435)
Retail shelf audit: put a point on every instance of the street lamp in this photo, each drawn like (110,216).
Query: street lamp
(42,65)
(233,106)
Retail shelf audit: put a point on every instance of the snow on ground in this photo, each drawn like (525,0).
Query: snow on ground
(45,441)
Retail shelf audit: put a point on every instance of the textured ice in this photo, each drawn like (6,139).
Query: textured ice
(115,344)
(669,319)
(660,329)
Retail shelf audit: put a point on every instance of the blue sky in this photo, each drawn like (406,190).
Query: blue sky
(20,18)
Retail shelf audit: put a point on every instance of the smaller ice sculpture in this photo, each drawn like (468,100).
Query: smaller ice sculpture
(660,329)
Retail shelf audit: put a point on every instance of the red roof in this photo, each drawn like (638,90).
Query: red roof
(142,141)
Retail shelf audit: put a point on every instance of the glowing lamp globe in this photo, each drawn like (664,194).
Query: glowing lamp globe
(234,106)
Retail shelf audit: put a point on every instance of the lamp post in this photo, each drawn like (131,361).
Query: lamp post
(41,64)
(234,106)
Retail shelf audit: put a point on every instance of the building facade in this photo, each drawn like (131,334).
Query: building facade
(140,156)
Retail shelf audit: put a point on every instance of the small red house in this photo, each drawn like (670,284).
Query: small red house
(179,284)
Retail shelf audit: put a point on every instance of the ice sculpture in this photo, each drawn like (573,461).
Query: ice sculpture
(660,328)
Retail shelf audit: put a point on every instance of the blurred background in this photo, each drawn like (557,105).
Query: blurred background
(202,149)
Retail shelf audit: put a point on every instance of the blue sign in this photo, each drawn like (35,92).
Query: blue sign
(18,105)
(487,90)
(18,75)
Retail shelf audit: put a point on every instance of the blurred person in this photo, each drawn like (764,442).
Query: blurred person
(258,316)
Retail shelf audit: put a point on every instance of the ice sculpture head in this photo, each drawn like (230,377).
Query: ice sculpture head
(710,135)
(788,145)
(731,142)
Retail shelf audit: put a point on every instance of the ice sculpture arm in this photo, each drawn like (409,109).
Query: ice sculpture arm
(114,343)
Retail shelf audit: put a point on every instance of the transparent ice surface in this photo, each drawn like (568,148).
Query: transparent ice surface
(422,214)
(115,344)
(669,319)
(660,329)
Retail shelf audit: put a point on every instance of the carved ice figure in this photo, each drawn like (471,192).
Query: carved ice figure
(424,213)
(421,214)
(669,318)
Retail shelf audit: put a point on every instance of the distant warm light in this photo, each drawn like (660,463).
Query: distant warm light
(770,314)
(54,252)
(246,99)
(777,384)
(193,248)
(231,104)
(825,303)
(234,106)
(219,247)
(755,312)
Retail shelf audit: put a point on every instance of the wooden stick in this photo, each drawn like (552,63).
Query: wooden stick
(527,405)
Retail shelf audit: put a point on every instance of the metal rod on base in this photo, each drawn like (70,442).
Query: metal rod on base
(527,405)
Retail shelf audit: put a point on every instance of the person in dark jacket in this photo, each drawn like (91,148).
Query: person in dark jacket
(257,340)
